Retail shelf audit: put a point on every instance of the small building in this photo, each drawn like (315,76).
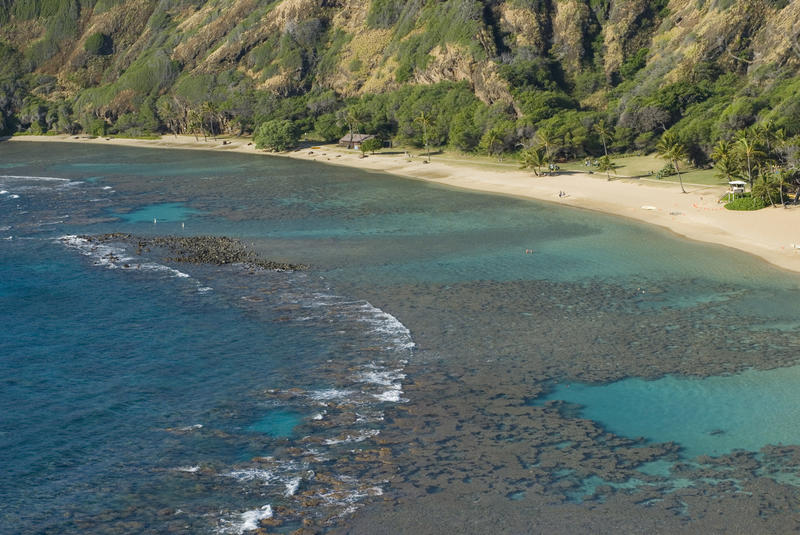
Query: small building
(354,141)
(737,186)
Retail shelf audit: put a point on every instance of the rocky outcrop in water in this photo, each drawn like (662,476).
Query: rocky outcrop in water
(215,250)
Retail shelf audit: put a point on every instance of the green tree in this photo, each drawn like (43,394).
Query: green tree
(671,149)
(725,161)
(328,127)
(533,158)
(766,187)
(549,140)
(98,44)
(371,145)
(749,151)
(782,183)
(208,118)
(276,135)
(492,142)
(464,134)
(605,132)
(424,120)
(605,164)
(193,122)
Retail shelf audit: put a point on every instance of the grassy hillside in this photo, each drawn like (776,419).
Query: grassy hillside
(488,75)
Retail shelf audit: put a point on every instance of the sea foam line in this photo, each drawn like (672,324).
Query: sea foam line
(247,521)
(115,258)
(27,177)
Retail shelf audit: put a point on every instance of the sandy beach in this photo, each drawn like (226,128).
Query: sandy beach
(772,233)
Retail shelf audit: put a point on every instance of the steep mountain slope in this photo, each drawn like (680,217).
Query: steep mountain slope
(704,67)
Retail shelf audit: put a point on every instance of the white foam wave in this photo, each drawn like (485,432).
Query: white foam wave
(247,521)
(330,394)
(187,469)
(114,257)
(392,396)
(387,325)
(191,427)
(152,266)
(13,196)
(349,499)
(104,255)
(45,178)
(291,486)
(379,376)
(350,439)
(3,192)
(253,474)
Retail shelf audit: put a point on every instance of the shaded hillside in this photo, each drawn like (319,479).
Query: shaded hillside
(489,71)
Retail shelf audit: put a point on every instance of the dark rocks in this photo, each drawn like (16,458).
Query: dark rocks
(215,250)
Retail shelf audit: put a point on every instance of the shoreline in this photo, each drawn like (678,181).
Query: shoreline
(773,234)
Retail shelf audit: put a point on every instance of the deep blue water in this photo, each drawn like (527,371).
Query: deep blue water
(172,395)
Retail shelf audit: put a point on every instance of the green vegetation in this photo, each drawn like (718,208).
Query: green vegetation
(276,135)
(673,150)
(745,202)
(98,44)
(472,76)
(371,145)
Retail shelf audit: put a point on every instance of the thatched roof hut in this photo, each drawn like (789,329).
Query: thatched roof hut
(354,141)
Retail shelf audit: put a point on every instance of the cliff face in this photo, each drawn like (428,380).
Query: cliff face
(357,47)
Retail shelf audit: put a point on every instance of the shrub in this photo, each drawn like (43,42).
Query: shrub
(98,44)
(746,203)
(276,135)
(98,127)
(384,13)
(667,170)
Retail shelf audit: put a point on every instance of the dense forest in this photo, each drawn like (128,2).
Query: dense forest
(584,77)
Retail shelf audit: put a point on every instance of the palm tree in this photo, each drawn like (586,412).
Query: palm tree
(351,118)
(748,148)
(727,169)
(208,111)
(782,184)
(425,122)
(766,187)
(494,143)
(547,139)
(671,149)
(533,158)
(723,156)
(604,132)
(605,164)
(721,151)
(193,122)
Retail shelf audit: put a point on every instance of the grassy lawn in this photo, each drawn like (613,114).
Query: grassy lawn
(628,166)
(641,166)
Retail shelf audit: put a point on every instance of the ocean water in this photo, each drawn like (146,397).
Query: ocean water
(708,416)
(143,395)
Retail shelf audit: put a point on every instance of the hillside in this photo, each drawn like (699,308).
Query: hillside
(488,74)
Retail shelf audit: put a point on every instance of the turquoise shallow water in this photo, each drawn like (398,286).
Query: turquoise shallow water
(710,416)
(164,212)
(131,391)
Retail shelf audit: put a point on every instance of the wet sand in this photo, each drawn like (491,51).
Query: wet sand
(772,233)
